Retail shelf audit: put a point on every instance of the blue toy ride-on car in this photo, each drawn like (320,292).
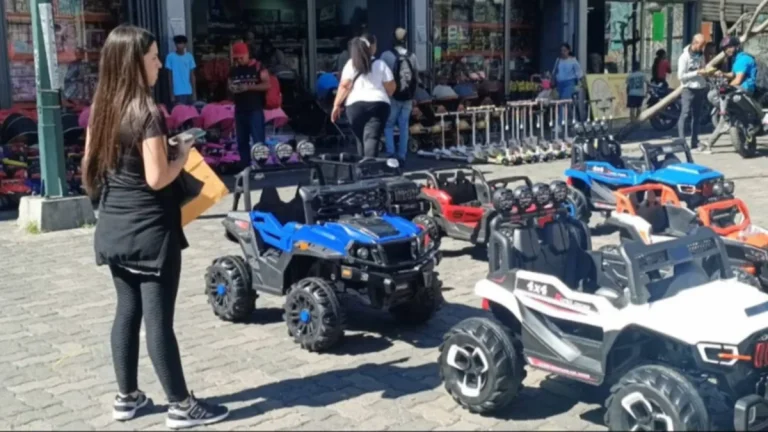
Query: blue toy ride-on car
(598,169)
(328,242)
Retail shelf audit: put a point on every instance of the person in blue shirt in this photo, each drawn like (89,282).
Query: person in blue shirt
(744,70)
(181,65)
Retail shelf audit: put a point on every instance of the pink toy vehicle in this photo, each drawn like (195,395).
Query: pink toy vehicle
(221,149)
(185,117)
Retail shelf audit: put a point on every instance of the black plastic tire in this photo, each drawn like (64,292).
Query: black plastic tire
(314,315)
(429,223)
(745,149)
(229,290)
(580,204)
(503,351)
(421,307)
(687,404)
(662,124)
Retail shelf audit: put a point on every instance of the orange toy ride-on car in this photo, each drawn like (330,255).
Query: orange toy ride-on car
(652,213)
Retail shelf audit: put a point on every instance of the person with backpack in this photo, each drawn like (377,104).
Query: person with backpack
(249,82)
(365,87)
(405,69)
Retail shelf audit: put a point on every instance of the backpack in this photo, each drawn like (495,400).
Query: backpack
(405,77)
(273,98)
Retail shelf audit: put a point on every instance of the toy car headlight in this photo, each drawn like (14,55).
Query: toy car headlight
(362,253)
(729,187)
(718,189)
(524,196)
(559,191)
(284,151)
(503,200)
(719,354)
(260,152)
(305,149)
(393,163)
(541,193)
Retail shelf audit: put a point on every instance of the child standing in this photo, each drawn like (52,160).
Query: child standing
(635,91)
(182,66)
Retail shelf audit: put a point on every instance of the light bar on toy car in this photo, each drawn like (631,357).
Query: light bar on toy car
(559,191)
(260,152)
(542,194)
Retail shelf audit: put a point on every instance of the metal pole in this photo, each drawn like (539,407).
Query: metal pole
(312,42)
(49,127)
(5,67)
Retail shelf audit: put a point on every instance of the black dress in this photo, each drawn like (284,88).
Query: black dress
(138,227)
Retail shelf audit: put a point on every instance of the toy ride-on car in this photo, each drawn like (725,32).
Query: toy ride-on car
(593,177)
(405,198)
(652,213)
(461,200)
(328,242)
(682,344)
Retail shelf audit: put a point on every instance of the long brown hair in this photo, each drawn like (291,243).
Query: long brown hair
(122,97)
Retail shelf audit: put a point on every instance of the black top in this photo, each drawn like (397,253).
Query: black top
(137,226)
(247,101)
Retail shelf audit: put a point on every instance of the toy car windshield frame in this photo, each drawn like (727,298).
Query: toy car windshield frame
(651,152)
(641,258)
(345,168)
(708,213)
(315,211)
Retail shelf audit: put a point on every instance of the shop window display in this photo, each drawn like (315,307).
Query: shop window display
(81,28)
(337,22)
(217,24)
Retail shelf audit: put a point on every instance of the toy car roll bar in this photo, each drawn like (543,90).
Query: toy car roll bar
(242,186)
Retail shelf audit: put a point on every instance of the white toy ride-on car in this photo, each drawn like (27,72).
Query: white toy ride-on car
(681,342)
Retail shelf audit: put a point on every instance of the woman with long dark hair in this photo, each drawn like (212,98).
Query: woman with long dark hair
(130,166)
(365,87)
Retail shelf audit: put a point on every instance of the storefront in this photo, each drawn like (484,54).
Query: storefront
(81,28)
(308,34)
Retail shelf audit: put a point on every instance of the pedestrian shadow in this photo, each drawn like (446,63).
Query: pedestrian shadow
(476,252)
(332,387)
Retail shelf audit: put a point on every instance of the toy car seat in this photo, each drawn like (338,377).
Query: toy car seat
(686,275)
(563,256)
(463,191)
(520,250)
(270,202)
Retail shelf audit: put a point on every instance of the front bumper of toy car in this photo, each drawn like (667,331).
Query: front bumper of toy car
(409,209)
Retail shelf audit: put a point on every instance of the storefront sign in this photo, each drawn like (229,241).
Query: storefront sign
(603,86)
(49,41)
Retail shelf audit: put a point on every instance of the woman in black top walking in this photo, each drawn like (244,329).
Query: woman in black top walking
(139,234)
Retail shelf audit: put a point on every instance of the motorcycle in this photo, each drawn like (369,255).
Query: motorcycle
(742,115)
(668,118)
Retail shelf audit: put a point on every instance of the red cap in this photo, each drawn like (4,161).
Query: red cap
(240,49)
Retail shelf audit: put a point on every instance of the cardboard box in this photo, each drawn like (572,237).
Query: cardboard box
(213,188)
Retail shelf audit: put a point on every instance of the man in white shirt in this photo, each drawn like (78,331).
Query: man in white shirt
(691,72)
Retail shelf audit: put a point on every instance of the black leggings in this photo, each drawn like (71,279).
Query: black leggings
(368,120)
(154,297)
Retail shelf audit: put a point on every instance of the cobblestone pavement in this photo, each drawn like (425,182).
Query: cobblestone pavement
(56,309)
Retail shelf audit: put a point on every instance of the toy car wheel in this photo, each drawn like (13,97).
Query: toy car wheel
(654,397)
(744,277)
(430,225)
(313,314)
(229,290)
(481,365)
(413,145)
(745,147)
(578,205)
(421,307)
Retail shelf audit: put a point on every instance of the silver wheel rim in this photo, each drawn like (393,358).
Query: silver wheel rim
(472,367)
(642,415)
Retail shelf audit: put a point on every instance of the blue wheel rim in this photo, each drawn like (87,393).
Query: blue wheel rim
(571,209)
(221,290)
(304,316)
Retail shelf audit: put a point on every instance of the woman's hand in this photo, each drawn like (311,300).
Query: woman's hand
(336,113)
